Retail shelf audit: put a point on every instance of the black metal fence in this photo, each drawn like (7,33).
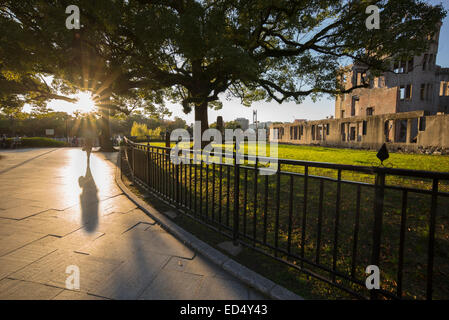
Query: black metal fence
(328,220)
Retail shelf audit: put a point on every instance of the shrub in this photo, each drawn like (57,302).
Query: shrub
(40,142)
(139,130)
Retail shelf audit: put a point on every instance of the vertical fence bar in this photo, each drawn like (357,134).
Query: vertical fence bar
(167,175)
(304,213)
(170,181)
(228,193)
(190,184)
(207,186)
(431,247)
(181,185)
(265,211)
(169,178)
(161,172)
(236,217)
(213,191)
(177,183)
(377,227)
(185,181)
(255,202)
(336,225)
(156,170)
(290,216)
(201,187)
(356,232)
(150,167)
(402,241)
(320,222)
(171,175)
(278,206)
(147,167)
(245,201)
(164,174)
(195,177)
(220,198)
(161,159)
(161,168)
(133,162)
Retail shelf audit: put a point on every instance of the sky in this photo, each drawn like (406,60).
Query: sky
(285,112)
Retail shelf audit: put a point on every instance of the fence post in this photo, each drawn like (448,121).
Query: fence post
(431,245)
(121,162)
(377,228)
(236,219)
(133,162)
(147,166)
(177,184)
(167,141)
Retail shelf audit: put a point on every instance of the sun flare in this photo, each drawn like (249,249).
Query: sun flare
(85,103)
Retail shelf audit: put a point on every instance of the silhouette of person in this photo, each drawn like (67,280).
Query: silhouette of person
(88,143)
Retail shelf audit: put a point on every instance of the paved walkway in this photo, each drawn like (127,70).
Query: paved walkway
(56,212)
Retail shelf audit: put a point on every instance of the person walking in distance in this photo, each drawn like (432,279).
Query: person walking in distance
(88,147)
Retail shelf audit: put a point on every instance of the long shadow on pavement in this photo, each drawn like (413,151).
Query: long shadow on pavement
(89,201)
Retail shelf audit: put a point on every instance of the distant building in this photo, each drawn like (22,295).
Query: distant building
(407,108)
(416,84)
(260,125)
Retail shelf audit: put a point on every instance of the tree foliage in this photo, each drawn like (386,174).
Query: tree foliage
(232,125)
(194,52)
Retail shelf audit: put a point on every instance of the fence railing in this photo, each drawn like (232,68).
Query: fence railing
(330,221)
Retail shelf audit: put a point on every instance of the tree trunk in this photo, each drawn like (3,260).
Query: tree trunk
(13,127)
(105,131)
(201,115)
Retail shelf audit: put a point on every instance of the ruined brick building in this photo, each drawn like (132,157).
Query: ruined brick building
(408,108)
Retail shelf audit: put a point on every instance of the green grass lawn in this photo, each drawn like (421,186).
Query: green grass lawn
(364,157)
(358,157)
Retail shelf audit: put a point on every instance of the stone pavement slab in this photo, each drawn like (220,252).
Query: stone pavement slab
(21,212)
(173,285)
(76,295)
(56,211)
(17,240)
(222,289)
(23,290)
(51,270)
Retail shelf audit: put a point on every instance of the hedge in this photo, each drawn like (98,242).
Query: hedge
(39,142)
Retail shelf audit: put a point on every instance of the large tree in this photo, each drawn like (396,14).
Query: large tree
(194,52)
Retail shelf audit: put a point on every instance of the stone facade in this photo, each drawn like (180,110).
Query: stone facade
(414,84)
(406,131)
